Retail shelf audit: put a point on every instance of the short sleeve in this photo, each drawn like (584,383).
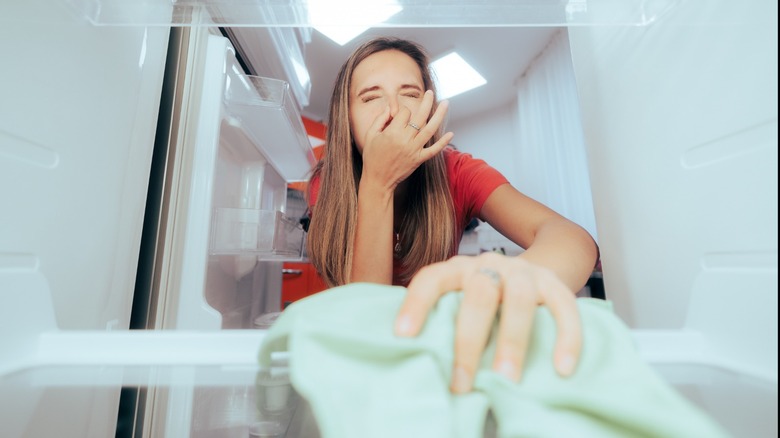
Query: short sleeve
(314,190)
(471,181)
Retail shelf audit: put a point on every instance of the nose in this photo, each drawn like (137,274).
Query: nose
(394,105)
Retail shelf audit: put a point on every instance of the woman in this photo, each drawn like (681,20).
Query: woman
(390,201)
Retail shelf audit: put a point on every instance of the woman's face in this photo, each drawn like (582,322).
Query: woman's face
(387,78)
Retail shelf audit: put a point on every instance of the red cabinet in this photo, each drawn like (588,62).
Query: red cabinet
(299,280)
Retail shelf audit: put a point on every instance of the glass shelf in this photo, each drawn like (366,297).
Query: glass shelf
(430,13)
(209,401)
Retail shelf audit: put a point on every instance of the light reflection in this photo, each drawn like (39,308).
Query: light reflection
(343,20)
(142,57)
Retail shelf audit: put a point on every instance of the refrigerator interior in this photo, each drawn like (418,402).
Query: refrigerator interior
(237,229)
(709,327)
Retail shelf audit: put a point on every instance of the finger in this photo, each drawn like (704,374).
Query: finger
(472,328)
(440,113)
(432,125)
(401,119)
(381,120)
(562,304)
(515,326)
(423,113)
(429,152)
(425,289)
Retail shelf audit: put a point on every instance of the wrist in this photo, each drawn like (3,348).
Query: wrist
(372,189)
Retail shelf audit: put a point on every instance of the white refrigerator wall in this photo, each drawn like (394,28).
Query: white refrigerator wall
(78,114)
(680,119)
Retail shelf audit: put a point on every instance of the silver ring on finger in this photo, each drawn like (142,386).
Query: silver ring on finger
(414,125)
(494,276)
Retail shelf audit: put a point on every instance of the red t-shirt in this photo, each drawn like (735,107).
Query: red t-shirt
(471,182)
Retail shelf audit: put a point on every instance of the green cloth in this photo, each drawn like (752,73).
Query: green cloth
(360,380)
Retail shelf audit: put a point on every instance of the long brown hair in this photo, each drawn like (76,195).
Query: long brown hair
(427,229)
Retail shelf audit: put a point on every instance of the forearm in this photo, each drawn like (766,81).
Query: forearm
(372,259)
(566,249)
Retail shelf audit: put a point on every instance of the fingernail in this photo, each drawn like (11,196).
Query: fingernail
(507,369)
(461,381)
(566,365)
(403,326)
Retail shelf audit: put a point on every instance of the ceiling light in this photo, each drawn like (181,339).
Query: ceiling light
(343,20)
(453,75)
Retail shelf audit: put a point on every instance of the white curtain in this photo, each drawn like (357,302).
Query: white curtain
(551,158)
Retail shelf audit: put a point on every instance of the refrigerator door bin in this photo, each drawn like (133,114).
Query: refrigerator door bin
(266,233)
(266,112)
(276,52)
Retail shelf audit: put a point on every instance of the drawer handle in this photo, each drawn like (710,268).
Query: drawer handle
(286,271)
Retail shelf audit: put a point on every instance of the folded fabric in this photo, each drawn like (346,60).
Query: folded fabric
(360,380)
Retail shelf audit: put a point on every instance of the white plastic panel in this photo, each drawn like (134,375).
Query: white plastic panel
(744,406)
(26,312)
(78,114)
(205,111)
(680,121)
(250,142)
(429,13)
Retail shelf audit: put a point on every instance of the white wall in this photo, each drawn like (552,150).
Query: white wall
(489,136)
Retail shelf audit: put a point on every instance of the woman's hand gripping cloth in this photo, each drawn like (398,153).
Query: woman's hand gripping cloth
(360,380)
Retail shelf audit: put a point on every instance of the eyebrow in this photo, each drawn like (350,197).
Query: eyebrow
(376,87)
